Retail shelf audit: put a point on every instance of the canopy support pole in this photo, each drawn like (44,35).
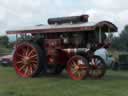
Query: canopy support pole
(109,38)
(109,29)
(16,40)
(100,38)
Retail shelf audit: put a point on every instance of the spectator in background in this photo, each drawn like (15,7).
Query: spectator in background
(103,53)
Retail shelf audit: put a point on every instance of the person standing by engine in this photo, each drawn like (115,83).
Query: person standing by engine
(102,52)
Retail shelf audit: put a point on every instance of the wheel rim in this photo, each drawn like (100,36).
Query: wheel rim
(26,60)
(97,68)
(77,68)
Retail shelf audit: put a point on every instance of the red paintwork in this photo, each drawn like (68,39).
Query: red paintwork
(56,53)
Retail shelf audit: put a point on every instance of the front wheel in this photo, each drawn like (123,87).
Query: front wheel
(97,67)
(77,67)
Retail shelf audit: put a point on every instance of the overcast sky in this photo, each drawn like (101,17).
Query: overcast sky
(14,13)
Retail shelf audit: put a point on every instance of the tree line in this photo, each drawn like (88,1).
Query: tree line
(121,42)
(4,41)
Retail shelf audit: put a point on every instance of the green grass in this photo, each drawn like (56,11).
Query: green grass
(113,84)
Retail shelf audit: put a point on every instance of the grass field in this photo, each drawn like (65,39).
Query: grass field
(113,84)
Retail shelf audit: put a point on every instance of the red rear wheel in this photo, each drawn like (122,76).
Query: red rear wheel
(27,60)
(77,67)
(97,67)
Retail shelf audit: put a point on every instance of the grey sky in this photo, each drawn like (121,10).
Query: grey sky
(32,12)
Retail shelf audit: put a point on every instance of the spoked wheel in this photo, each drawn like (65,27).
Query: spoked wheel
(27,60)
(77,67)
(97,67)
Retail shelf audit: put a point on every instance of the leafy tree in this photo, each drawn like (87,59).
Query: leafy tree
(121,42)
(4,41)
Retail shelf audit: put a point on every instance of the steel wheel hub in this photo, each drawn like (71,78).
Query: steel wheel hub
(77,67)
(26,60)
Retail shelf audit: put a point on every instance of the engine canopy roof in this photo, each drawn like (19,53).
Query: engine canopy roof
(67,24)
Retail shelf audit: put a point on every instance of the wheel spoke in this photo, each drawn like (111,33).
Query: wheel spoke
(98,62)
(31,71)
(24,52)
(33,61)
(81,66)
(27,51)
(22,67)
(26,70)
(19,62)
(32,51)
(34,56)
(80,62)
(93,62)
(74,63)
(79,74)
(19,55)
(74,71)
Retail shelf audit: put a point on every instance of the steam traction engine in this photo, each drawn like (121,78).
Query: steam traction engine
(65,43)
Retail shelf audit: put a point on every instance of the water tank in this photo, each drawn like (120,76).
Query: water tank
(70,19)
